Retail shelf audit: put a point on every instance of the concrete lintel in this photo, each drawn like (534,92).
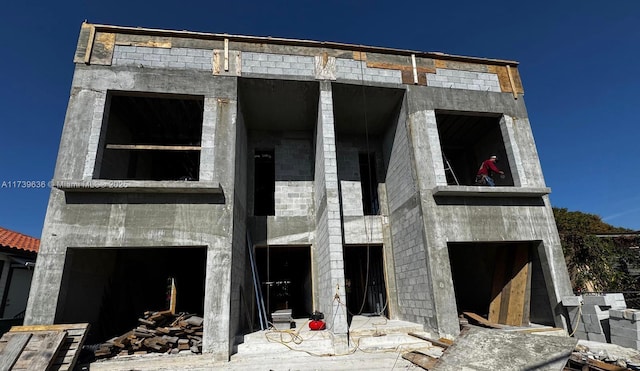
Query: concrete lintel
(476,191)
(137,186)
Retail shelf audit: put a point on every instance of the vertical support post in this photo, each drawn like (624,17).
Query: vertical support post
(226,54)
(415,69)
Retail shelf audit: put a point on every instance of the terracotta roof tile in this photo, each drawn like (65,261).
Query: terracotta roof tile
(17,240)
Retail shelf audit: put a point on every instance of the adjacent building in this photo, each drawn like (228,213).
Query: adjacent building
(17,259)
(260,172)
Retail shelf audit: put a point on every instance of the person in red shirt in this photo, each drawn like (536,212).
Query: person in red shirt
(486,171)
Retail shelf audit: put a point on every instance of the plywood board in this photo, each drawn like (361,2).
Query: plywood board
(103,45)
(510,292)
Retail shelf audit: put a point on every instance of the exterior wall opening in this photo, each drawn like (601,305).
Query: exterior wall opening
(369,182)
(365,281)
(466,140)
(150,137)
(501,282)
(285,276)
(264,183)
(110,288)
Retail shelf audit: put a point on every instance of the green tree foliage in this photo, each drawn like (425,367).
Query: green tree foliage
(605,264)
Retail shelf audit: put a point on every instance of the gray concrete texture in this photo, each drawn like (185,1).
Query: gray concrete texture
(318,199)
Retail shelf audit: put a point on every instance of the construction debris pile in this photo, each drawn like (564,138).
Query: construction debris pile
(584,358)
(158,332)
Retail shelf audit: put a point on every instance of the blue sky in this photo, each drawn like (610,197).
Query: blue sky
(579,62)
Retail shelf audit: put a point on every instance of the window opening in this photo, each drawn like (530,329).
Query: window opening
(369,182)
(151,137)
(264,183)
(466,140)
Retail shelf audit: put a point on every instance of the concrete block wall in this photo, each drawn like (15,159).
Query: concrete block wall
(294,174)
(349,69)
(412,277)
(470,80)
(277,64)
(589,315)
(328,250)
(293,171)
(180,58)
(625,327)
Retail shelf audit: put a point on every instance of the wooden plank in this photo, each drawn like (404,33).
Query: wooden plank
(518,286)
(503,78)
(512,83)
(47,351)
(420,359)
(360,56)
(440,63)
(152,147)
(539,329)
(15,343)
(172,303)
(604,366)
(481,320)
(31,328)
(440,342)
(497,286)
(81,48)
(87,53)
(401,67)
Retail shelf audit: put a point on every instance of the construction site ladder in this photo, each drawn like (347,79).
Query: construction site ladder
(447,167)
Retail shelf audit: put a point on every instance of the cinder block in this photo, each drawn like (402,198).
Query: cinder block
(629,314)
(625,342)
(594,328)
(581,335)
(596,337)
(625,332)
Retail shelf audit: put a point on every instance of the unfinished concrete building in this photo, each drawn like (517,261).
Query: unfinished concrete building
(340,176)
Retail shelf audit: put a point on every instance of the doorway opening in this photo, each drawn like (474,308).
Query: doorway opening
(110,288)
(496,280)
(364,280)
(285,276)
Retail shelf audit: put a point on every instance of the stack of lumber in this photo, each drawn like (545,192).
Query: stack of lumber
(42,347)
(157,332)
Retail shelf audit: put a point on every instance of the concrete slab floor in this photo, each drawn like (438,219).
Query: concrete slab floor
(376,343)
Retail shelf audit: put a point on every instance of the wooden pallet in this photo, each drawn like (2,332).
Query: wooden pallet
(42,347)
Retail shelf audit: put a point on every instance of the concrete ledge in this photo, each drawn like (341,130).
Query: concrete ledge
(479,191)
(137,186)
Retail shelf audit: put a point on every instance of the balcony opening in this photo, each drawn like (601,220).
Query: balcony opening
(468,139)
(369,182)
(150,137)
(264,183)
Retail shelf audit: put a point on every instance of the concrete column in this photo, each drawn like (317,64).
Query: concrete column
(47,276)
(218,317)
(209,120)
(328,249)
(425,143)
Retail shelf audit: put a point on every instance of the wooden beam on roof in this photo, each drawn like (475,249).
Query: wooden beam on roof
(152,147)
